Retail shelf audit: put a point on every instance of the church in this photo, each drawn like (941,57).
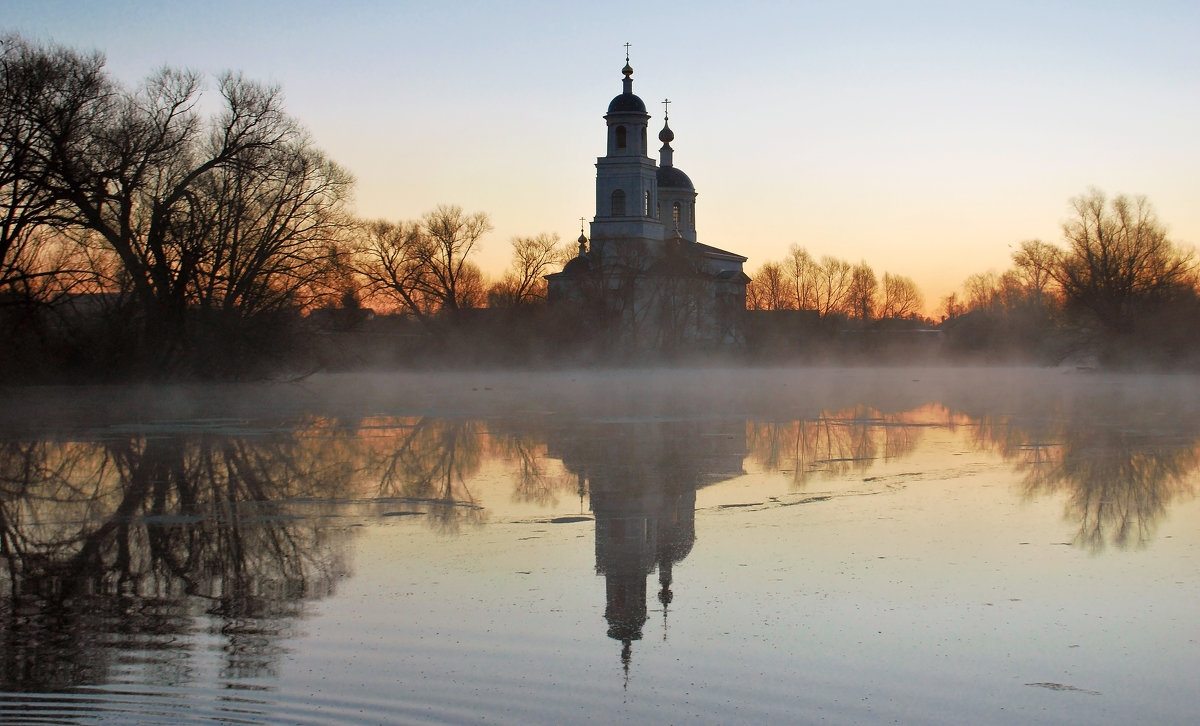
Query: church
(644,277)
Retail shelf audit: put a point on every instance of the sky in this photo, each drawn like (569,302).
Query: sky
(927,139)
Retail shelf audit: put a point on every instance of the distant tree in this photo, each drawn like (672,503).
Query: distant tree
(471,288)
(448,236)
(524,281)
(951,307)
(768,290)
(390,257)
(902,298)
(801,273)
(862,292)
(1034,263)
(424,267)
(833,286)
(980,291)
(1119,263)
(1010,292)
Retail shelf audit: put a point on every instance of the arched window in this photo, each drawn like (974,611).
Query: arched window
(643,137)
(646,206)
(618,203)
(621,137)
(675,214)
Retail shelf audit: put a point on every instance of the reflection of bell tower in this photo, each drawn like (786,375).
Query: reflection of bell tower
(641,480)
(640,525)
(626,548)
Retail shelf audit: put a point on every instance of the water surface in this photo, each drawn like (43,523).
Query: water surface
(789,546)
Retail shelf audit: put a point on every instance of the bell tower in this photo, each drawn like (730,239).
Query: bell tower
(626,181)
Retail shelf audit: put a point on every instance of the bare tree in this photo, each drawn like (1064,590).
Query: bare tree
(951,306)
(49,97)
(273,227)
(1119,262)
(833,285)
(980,289)
(801,272)
(524,282)
(231,216)
(448,236)
(768,290)
(1034,263)
(902,298)
(207,226)
(423,267)
(471,288)
(863,288)
(390,256)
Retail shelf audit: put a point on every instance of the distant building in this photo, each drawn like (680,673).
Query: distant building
(644,275)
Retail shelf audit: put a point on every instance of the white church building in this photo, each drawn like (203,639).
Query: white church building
(644,273)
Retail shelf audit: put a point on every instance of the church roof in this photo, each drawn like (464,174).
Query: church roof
(671,178)
(709,251)
(577,266)
(627,103)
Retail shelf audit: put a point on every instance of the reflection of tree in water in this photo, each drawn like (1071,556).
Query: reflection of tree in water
(1118,469)
(118,546)
(430,463)
(831,444)
(534,482)
(642,479)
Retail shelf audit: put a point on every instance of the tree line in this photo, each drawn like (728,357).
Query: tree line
(141,237)
(832,287)
(1116,291)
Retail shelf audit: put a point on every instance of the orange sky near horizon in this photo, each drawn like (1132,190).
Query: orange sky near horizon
(926,139)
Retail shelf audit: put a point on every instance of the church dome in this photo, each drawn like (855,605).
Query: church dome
(578,266)
(666,135)
(627,103)
(671,178)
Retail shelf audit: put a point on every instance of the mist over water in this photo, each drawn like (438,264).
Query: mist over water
(779,545)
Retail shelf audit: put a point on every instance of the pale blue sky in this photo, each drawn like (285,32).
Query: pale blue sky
(926,138)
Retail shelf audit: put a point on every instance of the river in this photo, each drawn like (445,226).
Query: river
(856,546)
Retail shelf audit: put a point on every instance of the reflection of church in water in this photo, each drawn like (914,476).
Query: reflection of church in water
(645,272)
(641,480)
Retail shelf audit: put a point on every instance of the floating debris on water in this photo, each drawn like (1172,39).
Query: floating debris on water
(1063,687)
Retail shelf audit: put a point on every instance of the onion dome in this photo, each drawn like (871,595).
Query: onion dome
(666,135)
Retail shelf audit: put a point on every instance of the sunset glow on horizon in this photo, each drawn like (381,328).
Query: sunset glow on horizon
(926,140)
